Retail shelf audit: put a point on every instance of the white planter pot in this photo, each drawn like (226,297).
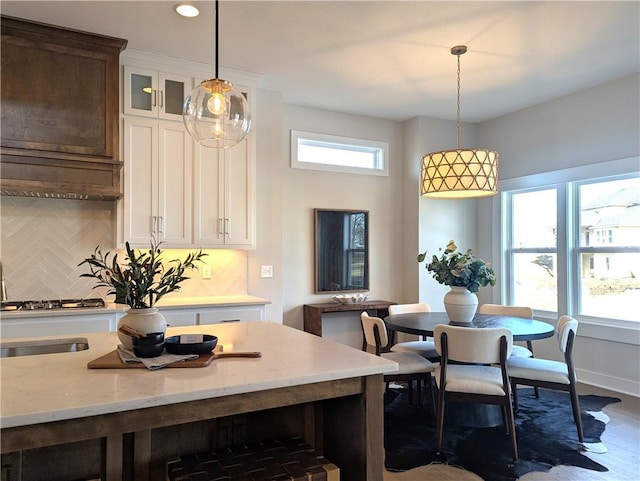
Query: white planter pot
(461,305)
(146,320)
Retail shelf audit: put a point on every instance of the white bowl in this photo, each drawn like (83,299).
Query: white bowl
(351,298)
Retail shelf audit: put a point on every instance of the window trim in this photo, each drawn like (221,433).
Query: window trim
(561,180)
(381,147)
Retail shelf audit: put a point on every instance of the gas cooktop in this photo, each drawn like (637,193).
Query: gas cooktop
(52,304)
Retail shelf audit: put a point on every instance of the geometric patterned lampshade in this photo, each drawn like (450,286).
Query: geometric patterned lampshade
(459,173)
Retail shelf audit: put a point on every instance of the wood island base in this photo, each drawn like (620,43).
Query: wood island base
(343,419)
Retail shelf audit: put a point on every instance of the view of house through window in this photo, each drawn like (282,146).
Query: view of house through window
(599,244)
(608,248)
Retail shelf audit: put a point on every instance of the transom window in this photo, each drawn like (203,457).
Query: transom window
(338,154)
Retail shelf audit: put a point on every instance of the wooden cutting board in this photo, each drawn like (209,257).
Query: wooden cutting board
(112,361)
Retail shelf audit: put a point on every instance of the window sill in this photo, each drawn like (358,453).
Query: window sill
(614,330)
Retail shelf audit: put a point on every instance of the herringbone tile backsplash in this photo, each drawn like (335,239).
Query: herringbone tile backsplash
(44,240)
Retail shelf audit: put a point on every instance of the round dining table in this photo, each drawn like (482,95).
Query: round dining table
(423,324)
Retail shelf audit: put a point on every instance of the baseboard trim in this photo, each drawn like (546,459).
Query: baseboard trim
(611,383)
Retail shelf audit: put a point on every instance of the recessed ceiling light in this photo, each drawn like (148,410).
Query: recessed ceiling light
(186,9)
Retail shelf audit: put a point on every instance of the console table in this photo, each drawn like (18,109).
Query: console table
(312,313)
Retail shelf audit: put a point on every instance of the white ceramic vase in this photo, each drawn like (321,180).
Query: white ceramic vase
(461,305)
(146,320)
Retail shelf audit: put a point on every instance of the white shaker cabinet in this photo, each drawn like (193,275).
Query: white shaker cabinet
(231,314)
(175,190)
(212,315)
(158,159)
(224,196)
(155,94)
(49,324)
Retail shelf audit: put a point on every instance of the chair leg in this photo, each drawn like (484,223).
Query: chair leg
(575,405)
(505,419)
(512,430)
(514,391)
(535,388)
(410,388)
(432,398)
(440,422)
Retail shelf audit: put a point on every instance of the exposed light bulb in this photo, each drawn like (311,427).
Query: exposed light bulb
(216,103)
(217,129)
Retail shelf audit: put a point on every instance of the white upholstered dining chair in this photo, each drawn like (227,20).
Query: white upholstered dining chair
(411,366)
(478,373)
(515,311)
(550,374)
(425,347)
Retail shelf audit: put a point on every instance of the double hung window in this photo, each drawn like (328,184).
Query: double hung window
(574,247)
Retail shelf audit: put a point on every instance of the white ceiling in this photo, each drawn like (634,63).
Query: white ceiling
(387,59)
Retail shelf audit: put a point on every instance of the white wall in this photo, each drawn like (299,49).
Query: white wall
(597,125)
(305,190)
(440,220)
(270,211)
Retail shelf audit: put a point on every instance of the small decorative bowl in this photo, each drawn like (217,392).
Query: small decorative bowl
(351,298)
(176,345)
(148,350)
(148,340)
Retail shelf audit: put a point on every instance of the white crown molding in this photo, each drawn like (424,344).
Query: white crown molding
(154,61)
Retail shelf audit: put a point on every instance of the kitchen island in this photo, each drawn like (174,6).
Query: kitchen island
(125,423)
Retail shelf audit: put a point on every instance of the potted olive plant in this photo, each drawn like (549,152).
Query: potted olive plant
(140,281)
(464,273)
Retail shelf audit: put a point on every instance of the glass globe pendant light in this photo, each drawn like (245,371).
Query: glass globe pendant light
(216,114)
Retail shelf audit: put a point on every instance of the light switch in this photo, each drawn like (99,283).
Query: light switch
(266,271)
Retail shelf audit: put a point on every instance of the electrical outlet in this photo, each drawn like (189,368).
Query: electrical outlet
(266,271)
(206,271)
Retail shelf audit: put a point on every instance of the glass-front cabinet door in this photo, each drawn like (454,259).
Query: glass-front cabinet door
(150,93)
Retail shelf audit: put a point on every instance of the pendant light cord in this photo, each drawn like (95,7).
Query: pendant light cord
(217,43)
(458,109)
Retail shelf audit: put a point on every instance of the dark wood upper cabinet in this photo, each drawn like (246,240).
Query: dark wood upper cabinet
(60,98)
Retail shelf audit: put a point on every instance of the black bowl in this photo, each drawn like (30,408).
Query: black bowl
(174,346)
(151,350)
(150,339)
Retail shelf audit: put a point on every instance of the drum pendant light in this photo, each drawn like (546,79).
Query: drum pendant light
(459,173)
(216,114)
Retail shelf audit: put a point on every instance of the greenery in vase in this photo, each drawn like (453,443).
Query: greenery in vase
(141,280)
(457,269)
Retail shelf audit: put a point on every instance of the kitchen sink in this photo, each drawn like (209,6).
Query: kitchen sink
(43,346)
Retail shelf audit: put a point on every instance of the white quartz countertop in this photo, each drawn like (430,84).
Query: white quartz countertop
(52,387)
(164,303)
